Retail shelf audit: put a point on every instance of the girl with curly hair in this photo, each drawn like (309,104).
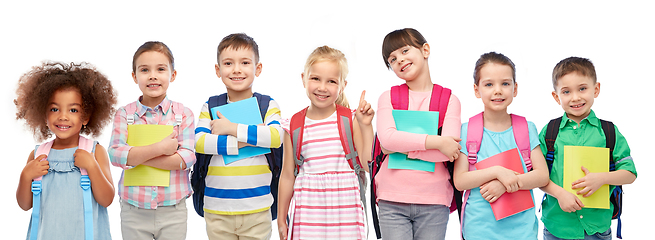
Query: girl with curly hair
(66,100)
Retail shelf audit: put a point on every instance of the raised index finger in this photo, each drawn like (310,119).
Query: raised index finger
(362,100)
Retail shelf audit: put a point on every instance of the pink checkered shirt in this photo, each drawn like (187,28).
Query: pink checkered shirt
(150,197)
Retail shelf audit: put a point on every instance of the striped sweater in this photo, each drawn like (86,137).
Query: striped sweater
(242,187)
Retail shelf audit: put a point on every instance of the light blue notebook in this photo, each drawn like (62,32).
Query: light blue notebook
(423,122)
(244,112)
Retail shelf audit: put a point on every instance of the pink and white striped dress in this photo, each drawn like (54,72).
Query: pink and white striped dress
(326,202)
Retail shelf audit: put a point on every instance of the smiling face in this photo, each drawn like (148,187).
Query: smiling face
(408,62)
(496,87)
(65,116)
(323,85)
(238,68)
(576,93)
(153,74)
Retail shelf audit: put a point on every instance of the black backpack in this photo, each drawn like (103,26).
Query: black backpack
(199,171)
(616,196)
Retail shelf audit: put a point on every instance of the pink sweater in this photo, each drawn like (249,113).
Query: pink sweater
(413,186)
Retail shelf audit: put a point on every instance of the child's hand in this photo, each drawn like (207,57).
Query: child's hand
(492,190)
(36,168)
(282,229)
(509,179)
(364,112)
(589,183)
(223,126)
(450,147)
(569,202)
(169,145)
(84,159)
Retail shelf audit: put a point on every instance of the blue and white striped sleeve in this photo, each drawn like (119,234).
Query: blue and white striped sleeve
(208,143)
(270,135)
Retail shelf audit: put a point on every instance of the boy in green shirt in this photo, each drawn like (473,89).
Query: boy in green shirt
(564,215)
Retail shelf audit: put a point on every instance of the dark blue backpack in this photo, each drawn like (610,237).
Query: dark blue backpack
(199,171)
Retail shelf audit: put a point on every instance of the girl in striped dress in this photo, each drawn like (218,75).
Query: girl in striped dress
(323,200)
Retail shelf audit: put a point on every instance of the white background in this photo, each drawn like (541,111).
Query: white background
(618,38)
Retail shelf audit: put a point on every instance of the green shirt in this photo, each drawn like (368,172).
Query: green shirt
(590,220)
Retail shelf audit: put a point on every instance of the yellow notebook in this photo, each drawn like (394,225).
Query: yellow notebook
(141,175)
(596,160)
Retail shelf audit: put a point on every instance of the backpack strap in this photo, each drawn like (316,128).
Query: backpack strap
(87,195)
(85,184)
(522,138)
(439,101)
(178,111)
(400,97)
(552,129)
(36,192)
(474,133)
(297,126)
(263,101)
(215,101)
(345,124)
(610,140)
(616,196)
(130,110)
(474,138)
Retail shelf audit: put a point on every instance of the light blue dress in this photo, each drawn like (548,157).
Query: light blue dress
(479,221)
(62,208)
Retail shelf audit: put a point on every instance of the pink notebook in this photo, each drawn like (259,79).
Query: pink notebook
(509,203)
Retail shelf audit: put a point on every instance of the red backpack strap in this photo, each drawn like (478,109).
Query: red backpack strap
(474,138)
(439,101)
(344,116)
(400,97)
(296,128)
(522,138)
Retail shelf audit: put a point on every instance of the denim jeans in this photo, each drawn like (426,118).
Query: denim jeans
(607,235)
(412,221)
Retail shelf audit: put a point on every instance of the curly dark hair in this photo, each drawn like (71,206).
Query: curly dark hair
(36,87)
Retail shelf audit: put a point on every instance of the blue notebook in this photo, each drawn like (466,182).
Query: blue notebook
(423,122)
(244,112)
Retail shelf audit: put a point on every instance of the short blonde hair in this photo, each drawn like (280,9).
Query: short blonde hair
(326,53)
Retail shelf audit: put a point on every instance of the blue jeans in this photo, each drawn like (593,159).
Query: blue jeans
(412,221)
(607,235)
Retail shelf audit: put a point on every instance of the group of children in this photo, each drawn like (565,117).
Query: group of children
(319,197)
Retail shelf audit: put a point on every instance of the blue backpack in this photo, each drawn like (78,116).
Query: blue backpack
(199,171)
(616,196)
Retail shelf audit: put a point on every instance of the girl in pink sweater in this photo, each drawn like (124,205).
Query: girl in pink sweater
(414,204)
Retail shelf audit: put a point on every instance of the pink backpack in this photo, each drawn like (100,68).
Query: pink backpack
(85,184)
(474,140)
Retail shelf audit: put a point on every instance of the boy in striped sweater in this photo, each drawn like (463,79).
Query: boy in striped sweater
(237,197)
